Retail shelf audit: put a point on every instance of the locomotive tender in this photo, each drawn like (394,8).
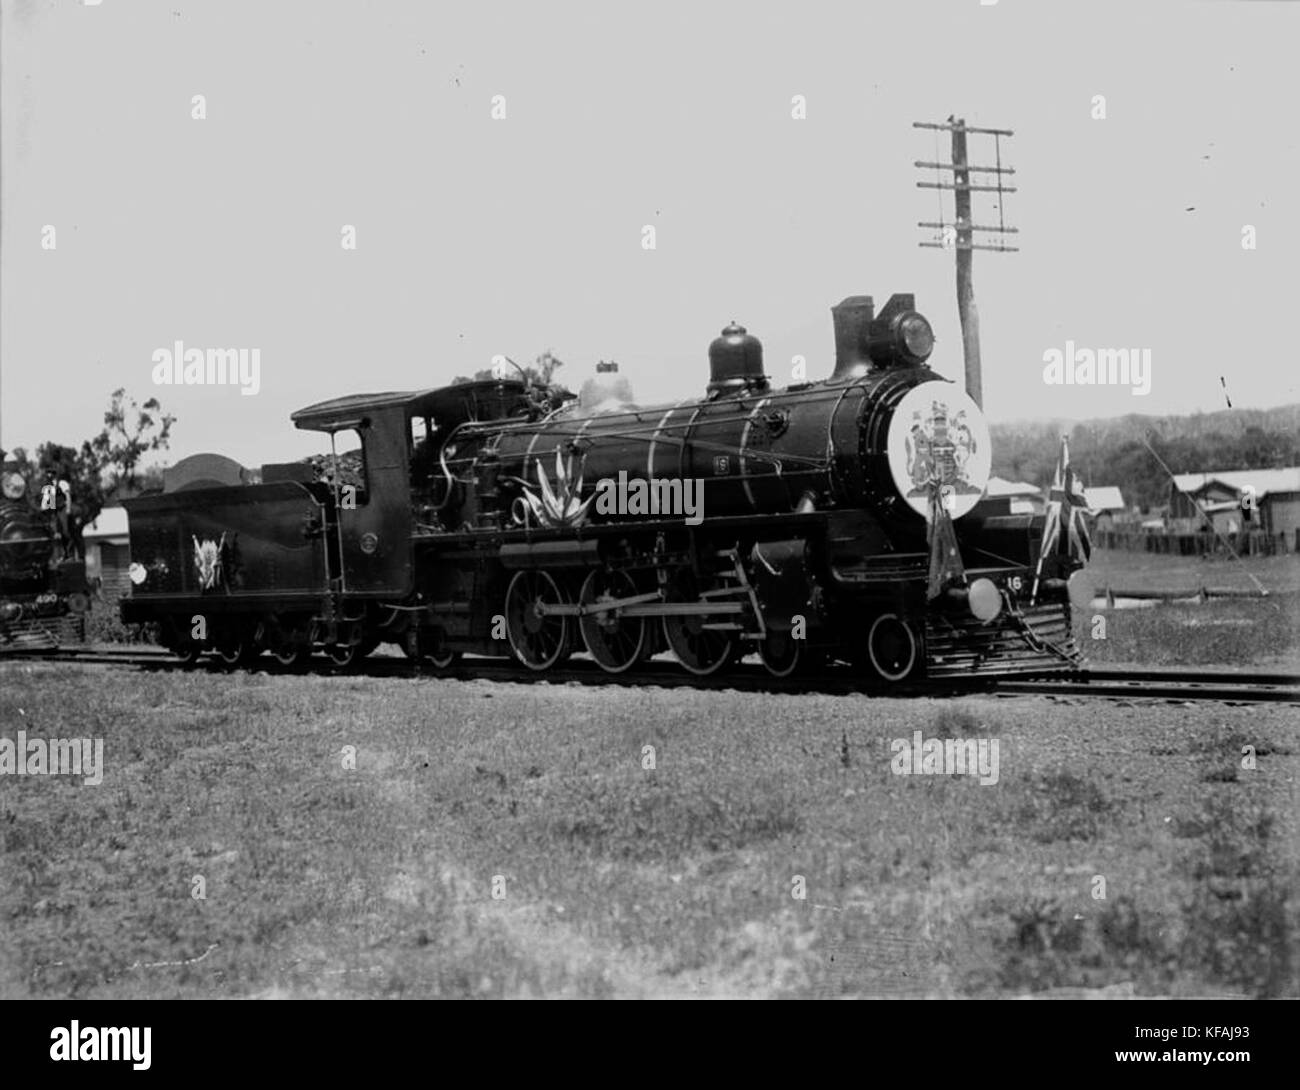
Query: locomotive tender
(843,520)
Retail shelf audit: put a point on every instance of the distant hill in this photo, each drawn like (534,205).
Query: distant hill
(1112,452)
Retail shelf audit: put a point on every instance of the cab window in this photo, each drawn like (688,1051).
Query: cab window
(423,452)
(351,459)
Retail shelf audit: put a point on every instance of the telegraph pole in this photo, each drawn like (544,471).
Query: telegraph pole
(959,235)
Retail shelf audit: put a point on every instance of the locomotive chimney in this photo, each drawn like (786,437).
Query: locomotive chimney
(853,319)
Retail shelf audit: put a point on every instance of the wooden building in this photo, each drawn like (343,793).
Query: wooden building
(1023,498)
(1106,503)
(108,554)
(1231,501)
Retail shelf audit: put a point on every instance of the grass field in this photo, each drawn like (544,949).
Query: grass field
(619,880)
(1233,632)
(615,879)
(1151,571)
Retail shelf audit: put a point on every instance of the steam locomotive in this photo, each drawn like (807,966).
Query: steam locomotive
(840,520)
(40,586)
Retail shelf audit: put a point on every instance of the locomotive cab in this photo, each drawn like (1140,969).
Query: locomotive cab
(404,485)
(373,515)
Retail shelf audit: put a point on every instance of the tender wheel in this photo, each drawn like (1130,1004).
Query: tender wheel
(892,647)
(294,656)
(175,636)
(443,659)
(781,653)
(345,654)
(417,646)
(288,638)
(187,654)
(232,651)
(538,641)
(701,650)
(615,642)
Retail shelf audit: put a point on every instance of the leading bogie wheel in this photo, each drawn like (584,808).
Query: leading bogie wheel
(781,653)
(893,650)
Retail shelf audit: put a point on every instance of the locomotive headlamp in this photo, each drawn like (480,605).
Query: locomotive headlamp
(915,338)
(899,334)
(14,485)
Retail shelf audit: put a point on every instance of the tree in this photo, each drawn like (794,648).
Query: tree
(126,438)
(1119,451)
(539,373)
(105,464)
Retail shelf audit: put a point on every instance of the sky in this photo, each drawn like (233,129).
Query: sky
(478,236)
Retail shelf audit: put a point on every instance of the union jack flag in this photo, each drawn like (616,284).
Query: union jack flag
(1067,507)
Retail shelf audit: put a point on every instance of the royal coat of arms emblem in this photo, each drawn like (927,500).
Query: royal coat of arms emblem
(938,450)
(938,440)
(207,561)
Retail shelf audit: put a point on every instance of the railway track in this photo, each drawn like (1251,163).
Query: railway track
(1170,685)
(1165,685)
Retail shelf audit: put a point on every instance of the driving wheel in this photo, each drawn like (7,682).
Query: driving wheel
(699,649)
(537,639)
(615,642)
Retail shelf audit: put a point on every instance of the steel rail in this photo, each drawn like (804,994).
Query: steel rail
(1102,683)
